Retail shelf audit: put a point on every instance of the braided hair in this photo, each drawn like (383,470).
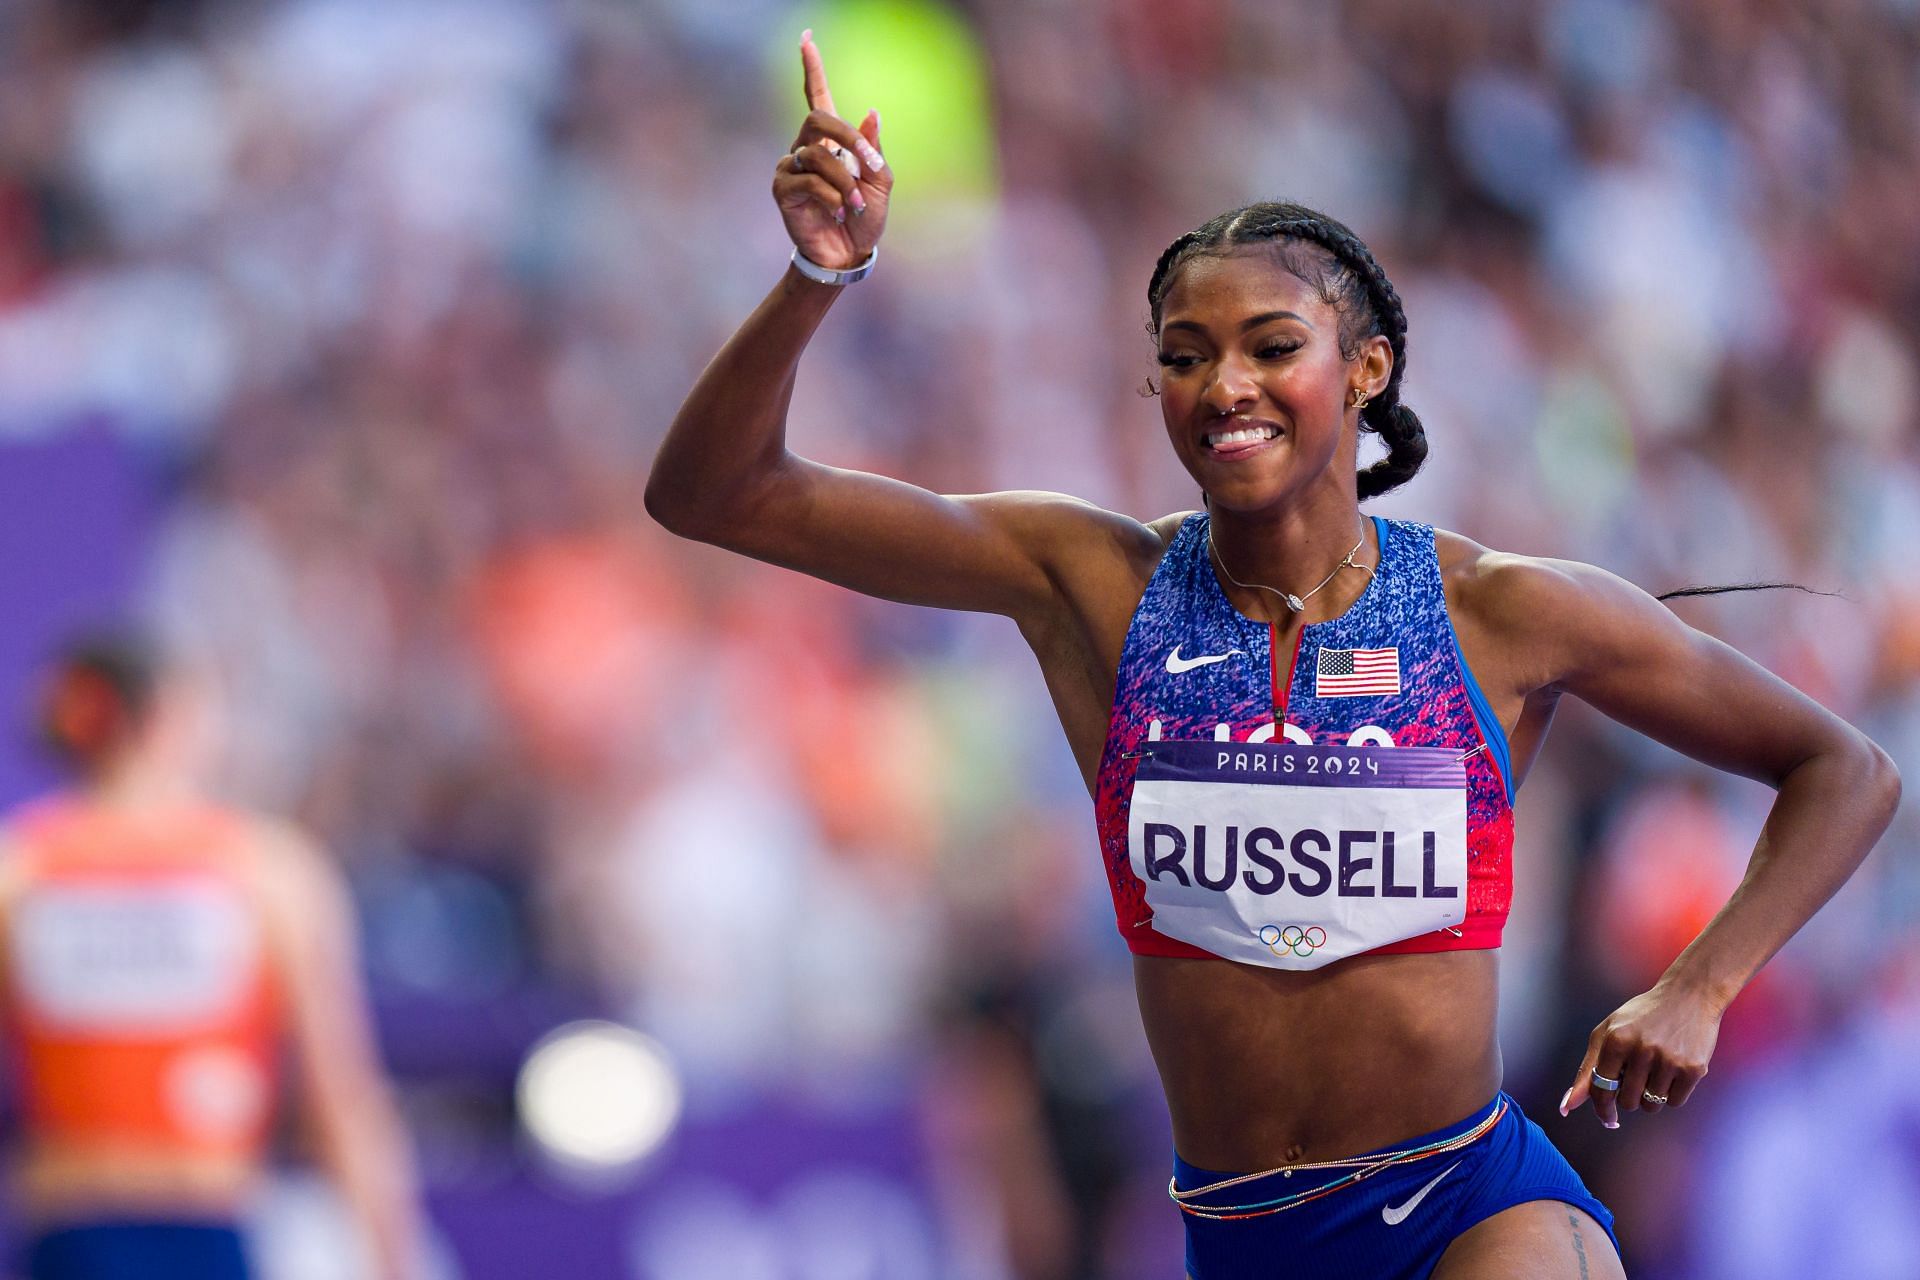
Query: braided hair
(1326,255)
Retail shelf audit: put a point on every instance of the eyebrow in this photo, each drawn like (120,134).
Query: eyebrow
(1251,322)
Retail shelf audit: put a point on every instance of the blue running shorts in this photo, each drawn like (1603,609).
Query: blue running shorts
(1390,1225)
(139,1251)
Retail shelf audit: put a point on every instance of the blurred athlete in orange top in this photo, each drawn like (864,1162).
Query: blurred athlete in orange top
(159,950)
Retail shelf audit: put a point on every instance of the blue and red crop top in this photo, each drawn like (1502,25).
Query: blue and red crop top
(1385,674)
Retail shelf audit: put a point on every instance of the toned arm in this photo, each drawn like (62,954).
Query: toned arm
(1575,629)
(348,1106)
(724,475)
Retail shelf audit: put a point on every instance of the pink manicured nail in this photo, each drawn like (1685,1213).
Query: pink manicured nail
(1565,1098)
(872,157)
(840,215)
(1613,1124)
(858,201)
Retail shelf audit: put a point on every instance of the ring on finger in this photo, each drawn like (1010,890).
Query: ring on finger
(1606,1084)
(1657,1099)
(844,156)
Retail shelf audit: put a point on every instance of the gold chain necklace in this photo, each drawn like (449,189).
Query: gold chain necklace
(1296,603)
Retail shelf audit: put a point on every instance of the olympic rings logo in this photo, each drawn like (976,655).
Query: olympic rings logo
(1301,942)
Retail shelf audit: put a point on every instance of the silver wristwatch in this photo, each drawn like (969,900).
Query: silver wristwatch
(827,275)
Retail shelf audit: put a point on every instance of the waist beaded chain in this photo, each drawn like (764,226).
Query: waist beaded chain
(1361,1167)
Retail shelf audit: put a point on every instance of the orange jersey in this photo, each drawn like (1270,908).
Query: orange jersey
(143,1009)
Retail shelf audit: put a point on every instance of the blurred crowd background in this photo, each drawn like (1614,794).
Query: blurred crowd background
(336,337)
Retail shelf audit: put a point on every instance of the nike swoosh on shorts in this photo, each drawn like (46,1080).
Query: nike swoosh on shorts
(1177,664)
(1395,1216)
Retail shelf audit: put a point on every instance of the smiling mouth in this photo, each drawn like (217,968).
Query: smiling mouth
(1245,434)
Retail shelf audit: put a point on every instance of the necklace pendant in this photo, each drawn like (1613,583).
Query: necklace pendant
(1295,603)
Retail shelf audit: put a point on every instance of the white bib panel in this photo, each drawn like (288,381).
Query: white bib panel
(120,959)
(1293,856)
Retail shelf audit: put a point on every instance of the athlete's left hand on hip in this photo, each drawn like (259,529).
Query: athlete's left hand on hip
(1656,1045)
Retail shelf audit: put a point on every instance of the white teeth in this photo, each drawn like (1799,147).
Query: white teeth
(1243,436)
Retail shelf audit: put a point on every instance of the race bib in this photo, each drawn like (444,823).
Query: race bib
(126,959)
(1294,856)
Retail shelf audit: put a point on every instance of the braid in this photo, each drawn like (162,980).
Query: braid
(1352,283)
(1406,450)
(1162,268)
(1743,586)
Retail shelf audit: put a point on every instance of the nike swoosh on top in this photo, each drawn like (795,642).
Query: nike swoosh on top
(1395,1216)
(1176,664)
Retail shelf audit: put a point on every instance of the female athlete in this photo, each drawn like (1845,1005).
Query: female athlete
(158,952)
(1302,729)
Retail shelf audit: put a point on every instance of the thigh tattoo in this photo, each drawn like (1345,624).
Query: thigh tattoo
(1579,1245)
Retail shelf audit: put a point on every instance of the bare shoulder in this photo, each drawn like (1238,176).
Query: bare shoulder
(1164,529)
(1544,618)
(1098,561)
(1072,533)
(298,884)
(1567,627)
(1147,552)
(1501,586)
(1488,588)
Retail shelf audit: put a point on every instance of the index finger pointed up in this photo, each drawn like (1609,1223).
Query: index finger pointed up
(815,74)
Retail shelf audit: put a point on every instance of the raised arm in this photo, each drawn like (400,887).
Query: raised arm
(724,474)
(1610,644)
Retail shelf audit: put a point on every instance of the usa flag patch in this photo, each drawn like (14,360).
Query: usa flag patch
(1356,673)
